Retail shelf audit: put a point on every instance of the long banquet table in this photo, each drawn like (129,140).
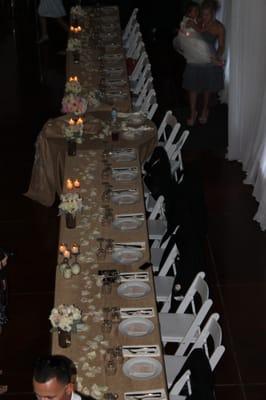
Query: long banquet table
(82,290)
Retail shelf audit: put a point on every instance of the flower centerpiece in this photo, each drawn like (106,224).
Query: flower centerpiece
(73,131)
(71,204)
(75,104)
(64,320)
(73,44)
(73,87)
(77,12)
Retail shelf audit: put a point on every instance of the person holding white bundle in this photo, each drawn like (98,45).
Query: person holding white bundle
(188,41)
(204,69)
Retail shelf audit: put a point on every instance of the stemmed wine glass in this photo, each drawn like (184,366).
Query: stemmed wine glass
(109,246)
(101,252)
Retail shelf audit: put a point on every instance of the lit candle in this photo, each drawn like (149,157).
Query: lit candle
(71,122)
(78,28)
(62,248)
(72,29)
(76,184)
(69,184)
(66,254)
(75,248)
(79,121)
(73,78)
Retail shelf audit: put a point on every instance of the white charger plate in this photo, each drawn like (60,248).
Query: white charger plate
(124,156)
(125,175)
(142,368)
(125,198)
(133,289)
(136,326)
(127,224)
(136,120)
(126,256)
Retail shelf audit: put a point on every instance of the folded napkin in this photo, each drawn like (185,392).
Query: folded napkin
(137,351)
(146,312)
(159,394)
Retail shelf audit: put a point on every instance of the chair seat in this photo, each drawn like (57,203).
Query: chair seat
(156,228)
(175,326)
(173,365)
(176,397)
(163,287)
(156,256)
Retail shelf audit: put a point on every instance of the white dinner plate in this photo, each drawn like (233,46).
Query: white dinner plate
(124,156)
(126,255)
(125,175)
(125,198)
(127,224)
(131,135)
(133,289)
(142,368)
(136,120)
(136,326)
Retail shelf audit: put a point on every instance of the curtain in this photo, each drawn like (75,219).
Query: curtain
(247,95)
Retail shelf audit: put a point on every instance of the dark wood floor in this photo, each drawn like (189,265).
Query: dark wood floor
(31,89)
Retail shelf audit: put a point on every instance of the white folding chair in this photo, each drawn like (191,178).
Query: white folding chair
(140,65)
(133,45)
(176,156)
(132,37)
(183,381)
(141,97)
(140,49)
(137,85)
(181,327)
(164,284)
(211,332)
(149,105)
(130,24)
(157,223)
(167,132)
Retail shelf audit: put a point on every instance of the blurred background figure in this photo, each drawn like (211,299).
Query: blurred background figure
(51,9)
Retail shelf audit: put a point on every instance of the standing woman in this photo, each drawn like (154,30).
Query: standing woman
(51,9)
(206,78)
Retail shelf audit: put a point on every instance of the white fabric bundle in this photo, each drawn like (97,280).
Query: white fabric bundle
(190,44)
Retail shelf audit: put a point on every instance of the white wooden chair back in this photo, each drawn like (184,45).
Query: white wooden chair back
(141,97)
(133,45)
(130,24)
(211,329)
(143,76)
(183,381)
(170,261)
(140,48)
(149,105)
(158,210)
(139,67)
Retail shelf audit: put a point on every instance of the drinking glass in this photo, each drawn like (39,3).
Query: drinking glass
(110,367)
(107,286)
(100,252)
(106,326)
(109,246)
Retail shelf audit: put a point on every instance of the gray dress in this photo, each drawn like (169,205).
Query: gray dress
(204,77)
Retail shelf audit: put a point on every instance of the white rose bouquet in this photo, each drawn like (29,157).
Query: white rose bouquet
(73,87)
(71,203)
(73,132)
(65,317)
(74,44)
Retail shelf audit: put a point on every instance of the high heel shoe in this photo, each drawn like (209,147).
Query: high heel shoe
(191,121)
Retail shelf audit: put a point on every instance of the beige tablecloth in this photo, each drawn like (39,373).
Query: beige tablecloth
(51,147)
(77,291)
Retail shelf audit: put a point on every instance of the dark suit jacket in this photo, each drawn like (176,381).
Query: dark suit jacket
(83,397)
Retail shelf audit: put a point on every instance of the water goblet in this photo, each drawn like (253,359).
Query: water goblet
(118,353)
(109,246)
(100,252)
(106,326)
(106,286)
(110,367)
